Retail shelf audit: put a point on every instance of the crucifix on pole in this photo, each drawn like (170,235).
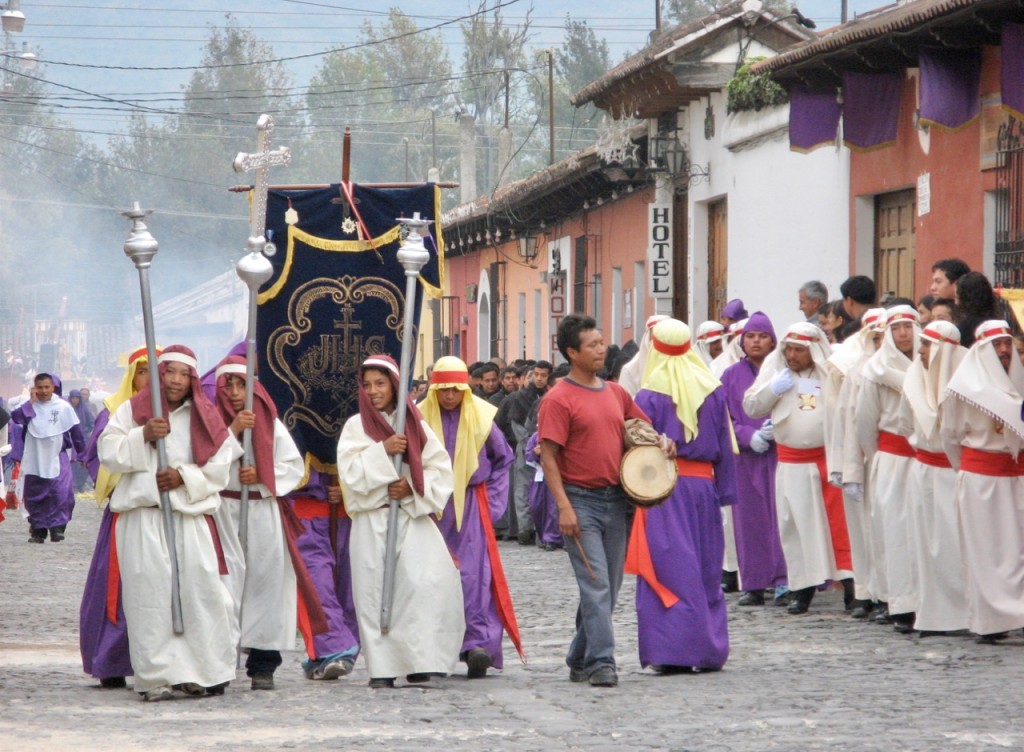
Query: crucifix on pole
(254,269)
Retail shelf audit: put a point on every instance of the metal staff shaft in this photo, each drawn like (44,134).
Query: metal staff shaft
(250,388)
(413,256)
(140,247)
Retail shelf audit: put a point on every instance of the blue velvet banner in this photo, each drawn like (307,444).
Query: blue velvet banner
(336,297)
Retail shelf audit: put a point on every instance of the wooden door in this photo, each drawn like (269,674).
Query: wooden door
(718,257)
(894,243)
(680,286)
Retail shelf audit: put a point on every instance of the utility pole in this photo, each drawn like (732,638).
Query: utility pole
(551,104)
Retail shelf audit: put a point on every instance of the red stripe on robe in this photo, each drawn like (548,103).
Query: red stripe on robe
(640,563)
(113,573)
(311,617)
(499,585)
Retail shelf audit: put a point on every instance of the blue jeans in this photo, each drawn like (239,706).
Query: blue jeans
(601,513)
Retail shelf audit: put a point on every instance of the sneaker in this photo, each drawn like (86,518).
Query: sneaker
(330,670)
(577,675)
(191,689)
(604,676)
(478,660)
(113,682)
(263,681)
(381,683)
(157,694)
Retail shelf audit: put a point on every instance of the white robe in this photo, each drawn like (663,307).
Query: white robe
(205,653)
(990,515)
(941,603)
(878,409)
(263,587)
(427,621)
(803,521)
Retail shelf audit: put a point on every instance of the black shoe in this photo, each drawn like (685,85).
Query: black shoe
(669,670)
(527,539)
(849,599)
(478,660)
(730,582)
(781,600)
(932,633)
(751,598)
(217,689)
(113,682)
(991,639)
(263,680)
(578,675)
(381,683)
(57,534)
(417,678)
(882,613)
(903,623)
(800,601)
(38,535)
(861,609)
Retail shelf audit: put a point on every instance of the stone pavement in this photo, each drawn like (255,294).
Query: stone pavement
(814,682)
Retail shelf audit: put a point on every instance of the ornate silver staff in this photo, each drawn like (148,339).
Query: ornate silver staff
(413,256)
(141,247)
(254,269)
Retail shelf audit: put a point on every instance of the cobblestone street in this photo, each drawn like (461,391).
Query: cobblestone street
(814,682)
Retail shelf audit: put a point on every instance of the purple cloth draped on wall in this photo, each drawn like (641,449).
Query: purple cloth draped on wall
(871,108)
(1012,65)
(813,117)
(950,85)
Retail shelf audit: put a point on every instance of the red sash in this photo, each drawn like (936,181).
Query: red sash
(933,459)
(113,573)
(695,469)
(312,509)
(639,562)
(892,443)
(997,464)
(833,499)
(499,585)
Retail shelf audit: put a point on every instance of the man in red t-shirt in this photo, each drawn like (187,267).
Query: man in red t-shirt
(580,426)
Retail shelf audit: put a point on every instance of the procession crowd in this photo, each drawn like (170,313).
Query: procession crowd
(874,446)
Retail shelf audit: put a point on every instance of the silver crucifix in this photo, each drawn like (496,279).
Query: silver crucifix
(261,162)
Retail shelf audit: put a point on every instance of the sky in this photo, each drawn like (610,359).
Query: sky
(102,46)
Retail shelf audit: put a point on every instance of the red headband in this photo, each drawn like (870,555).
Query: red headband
(901,317)
(713,333)
(449,377)
(935,336)
(667,349)
(142,352)
(800,337)
(999,331)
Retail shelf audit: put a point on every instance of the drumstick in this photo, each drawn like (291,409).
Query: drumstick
(583,555)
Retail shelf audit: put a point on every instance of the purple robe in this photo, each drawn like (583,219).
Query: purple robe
(331,574)
(755,518)
(686,542)
(469,545)
(50,501)
(103,644)
(543,508)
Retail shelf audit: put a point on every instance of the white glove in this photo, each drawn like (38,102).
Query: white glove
(854,490)
(759,443)
(836,479)
(782,381)
(5,450)
(767,430)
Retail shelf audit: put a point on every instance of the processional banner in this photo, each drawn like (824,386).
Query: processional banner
(337,296)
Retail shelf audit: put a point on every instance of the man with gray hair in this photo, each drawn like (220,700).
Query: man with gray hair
(813,295)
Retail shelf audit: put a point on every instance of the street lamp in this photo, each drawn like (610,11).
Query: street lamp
(528,247)
(12,19)
(27,59)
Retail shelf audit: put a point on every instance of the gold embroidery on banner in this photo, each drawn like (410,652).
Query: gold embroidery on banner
(325,372)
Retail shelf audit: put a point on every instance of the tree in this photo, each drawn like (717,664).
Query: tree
(386,91)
